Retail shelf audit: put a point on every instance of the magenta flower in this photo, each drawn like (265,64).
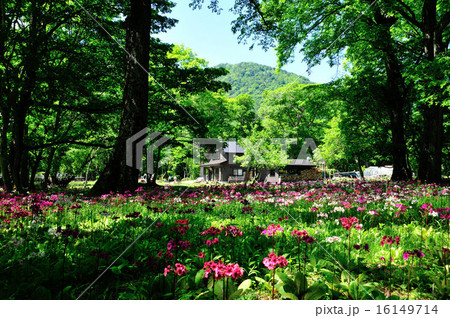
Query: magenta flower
(201,255)
(171,245)
(348,223)
(167,270)
(221,270)
(414,253)
(274,261)
(303,236)
(388,240)
(213,231)
(180,269)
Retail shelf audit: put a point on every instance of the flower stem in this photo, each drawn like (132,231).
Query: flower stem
(306,249)
(273,284)
(174,284)
(349,250)
(409,279)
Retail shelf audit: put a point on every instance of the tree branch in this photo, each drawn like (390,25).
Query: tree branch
(68,142)
(445,21)
(408,14)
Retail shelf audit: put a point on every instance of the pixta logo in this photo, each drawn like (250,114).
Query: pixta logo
(135,148)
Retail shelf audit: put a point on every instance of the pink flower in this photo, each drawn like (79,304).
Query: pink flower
(167,270)
(221,270)
(347,223)
(274,261)
(180,269)
(201,255)
(303,236)
(171,245)
(388,240)
(272,230)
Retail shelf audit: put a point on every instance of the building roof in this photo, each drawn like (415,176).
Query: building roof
(214,163)
(301,162)
(233,147)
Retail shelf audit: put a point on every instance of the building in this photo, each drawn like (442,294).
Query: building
(222,167)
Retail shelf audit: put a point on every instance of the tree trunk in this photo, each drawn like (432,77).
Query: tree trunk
(430,161)
(49,167)
(117,176)
(4,162)
(361,172)
(247,176)
(34,169)
(395,97)
(22,104)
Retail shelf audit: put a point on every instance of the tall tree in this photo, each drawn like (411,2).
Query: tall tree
(404,31)
(117,175)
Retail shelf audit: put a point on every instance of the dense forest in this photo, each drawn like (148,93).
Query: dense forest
(75,78)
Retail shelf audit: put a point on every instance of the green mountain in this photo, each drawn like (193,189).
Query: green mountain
(253,79)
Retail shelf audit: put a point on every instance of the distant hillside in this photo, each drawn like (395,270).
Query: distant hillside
(254,79)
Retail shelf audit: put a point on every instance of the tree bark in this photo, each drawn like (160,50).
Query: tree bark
(117,176)
(430,161)
(49,167)
(34,169)
(394,97)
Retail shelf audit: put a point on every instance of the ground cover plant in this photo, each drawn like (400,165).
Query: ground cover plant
(305,240)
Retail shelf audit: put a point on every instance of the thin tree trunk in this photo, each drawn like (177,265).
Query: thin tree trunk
(49,166)
(4,162)
(34,169)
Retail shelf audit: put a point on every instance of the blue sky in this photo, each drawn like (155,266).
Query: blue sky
(209,35)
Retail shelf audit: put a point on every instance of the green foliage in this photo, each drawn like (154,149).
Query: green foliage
(254,79)
(296,288)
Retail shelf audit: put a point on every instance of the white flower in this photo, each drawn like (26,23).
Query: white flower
(332,239)
(53,232)
(338,209)
(434,213)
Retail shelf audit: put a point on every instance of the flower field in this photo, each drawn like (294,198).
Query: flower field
(306,240)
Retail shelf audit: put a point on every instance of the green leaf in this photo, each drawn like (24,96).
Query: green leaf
(316,291)
(354,290)
(199,276)
(301,283)
(285,294)
(241,289)
(284,278)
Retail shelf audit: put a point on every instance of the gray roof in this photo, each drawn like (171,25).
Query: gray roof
(214,163)
(301,162)
(233,147)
